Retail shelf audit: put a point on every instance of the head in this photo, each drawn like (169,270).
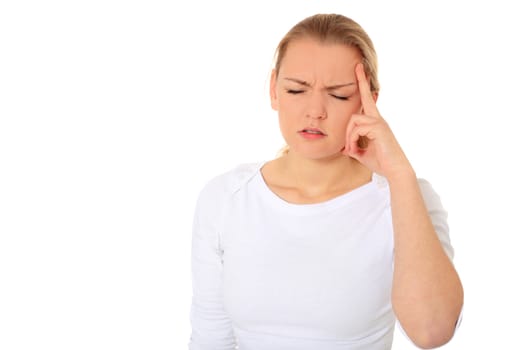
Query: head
(333,33)
(333,29)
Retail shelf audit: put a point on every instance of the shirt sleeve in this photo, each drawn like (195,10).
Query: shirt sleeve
(211,326)
(438,216)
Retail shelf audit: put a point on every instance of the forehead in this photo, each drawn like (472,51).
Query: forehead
(312,58)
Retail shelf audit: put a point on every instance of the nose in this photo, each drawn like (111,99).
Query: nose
(318,115)
(316,108)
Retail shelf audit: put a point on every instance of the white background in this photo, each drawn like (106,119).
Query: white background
(113,115)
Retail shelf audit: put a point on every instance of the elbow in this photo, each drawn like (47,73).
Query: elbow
(431,331)
(430,328)
(431,341)
(432,335)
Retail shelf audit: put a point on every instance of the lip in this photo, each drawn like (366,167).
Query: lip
(312,133)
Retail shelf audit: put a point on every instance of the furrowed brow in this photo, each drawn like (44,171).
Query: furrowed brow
(335,87)
(298,81)
(331,87)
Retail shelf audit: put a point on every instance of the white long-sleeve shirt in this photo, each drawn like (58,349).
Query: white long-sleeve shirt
(271,275)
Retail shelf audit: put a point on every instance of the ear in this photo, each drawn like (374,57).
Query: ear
(375,95)
(273,91)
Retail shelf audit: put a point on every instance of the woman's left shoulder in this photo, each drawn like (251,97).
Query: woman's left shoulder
(430,195)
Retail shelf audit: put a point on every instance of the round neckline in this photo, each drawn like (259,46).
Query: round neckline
(349,198)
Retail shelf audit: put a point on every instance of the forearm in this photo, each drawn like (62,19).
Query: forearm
(427,295)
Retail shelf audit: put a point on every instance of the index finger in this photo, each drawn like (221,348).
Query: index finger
(367,100)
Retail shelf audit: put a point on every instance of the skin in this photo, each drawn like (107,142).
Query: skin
(427,294)
(315,170)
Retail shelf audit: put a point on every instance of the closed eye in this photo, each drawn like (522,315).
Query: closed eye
(343,98)
(294,92)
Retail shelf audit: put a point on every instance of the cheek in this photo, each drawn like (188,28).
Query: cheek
(289,110)
(340,119)
(286,122)
(340,130)
(345,111)
(341,115)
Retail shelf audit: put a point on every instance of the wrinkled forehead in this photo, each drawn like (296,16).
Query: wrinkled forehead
(309,59)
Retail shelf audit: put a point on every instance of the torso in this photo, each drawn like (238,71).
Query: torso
(314,276)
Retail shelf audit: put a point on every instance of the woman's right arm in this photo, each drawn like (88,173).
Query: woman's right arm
(211,326)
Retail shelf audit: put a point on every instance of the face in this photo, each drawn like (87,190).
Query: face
(315,94)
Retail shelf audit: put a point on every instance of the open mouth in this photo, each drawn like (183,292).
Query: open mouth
(312,131)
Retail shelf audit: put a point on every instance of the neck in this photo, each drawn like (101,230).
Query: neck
(317,176)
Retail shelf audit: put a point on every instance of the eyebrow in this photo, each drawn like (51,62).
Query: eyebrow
(332,87)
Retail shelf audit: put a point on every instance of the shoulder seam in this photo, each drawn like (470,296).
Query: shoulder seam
(245,173)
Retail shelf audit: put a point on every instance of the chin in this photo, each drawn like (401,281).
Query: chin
(319,154)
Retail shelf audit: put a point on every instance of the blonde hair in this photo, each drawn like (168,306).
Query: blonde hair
(332,29)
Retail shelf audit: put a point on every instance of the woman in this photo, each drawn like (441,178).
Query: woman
(327,245)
